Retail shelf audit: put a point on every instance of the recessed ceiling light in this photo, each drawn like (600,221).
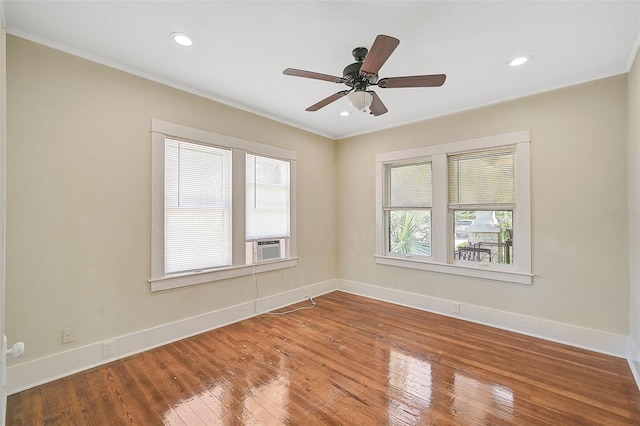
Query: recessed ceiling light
(520,60)
(345,114)
(182,39)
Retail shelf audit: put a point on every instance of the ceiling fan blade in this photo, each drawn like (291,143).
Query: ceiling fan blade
(328,100)
(382,48)
(434,80)
(310,74)
(377,107)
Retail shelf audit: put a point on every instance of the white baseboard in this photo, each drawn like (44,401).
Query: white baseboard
(633,358)
(33,373)
(595,340)
(43,370)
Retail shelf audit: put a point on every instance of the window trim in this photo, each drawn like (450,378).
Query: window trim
(162,129)
(441,223)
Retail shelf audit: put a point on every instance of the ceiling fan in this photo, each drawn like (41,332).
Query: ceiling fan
(364,73)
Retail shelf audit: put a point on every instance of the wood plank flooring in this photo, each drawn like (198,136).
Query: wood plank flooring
(351,361)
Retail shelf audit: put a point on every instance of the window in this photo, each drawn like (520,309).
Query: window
(408,209)
(197,207)
(267,192)
(460,208)
(481,200)
(267,202)
(213,197)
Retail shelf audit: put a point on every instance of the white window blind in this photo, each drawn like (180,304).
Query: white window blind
(197,219)
(482,179)
(267,198)
(409,185)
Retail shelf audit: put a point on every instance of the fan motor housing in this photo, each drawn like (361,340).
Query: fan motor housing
(353,78)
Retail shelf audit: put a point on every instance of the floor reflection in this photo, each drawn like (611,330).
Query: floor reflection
(410,384)
(475,400)
(416,385)
(256,397)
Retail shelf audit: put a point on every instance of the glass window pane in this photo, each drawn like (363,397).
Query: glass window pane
(410,232)
(267,197)
(483,236)
(484,177)
(410,185)
(197,211)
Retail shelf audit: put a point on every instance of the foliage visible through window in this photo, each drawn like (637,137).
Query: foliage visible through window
(410,232)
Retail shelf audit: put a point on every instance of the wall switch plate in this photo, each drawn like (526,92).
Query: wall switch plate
(68,335)
(107,349)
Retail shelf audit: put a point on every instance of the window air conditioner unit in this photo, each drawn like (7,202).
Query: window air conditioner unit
(267,250)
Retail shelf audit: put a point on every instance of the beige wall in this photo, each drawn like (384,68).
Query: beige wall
(578,162)
(634,203)
(78,217)
(78,195)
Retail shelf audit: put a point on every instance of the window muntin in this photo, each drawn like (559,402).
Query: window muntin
(407,209)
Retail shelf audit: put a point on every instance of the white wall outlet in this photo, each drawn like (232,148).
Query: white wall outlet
(68,335)
(107,349)
(456,308)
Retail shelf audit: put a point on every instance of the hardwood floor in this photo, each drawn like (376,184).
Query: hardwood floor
(352,361)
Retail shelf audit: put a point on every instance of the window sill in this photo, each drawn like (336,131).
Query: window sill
(192,278)
(463,270)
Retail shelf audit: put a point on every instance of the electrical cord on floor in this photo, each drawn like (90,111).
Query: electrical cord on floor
(255,301)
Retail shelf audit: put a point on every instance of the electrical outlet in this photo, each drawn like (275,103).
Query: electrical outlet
(68,335)
(456,308)
(107,349)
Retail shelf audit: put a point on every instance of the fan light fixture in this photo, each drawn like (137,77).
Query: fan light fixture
(361,100)
(182,39)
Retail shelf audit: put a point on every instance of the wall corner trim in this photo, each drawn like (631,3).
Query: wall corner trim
(633,358)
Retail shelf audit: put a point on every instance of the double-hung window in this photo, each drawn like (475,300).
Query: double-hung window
(197,207)
(407,209)
(214,200)
(460,208)
(482,201)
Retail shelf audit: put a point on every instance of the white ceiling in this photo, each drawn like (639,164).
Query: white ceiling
(242,48)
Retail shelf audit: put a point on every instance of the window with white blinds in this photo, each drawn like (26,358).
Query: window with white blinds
(212,196)
(482,179)
(197,216)
(267,196)
(461,207)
